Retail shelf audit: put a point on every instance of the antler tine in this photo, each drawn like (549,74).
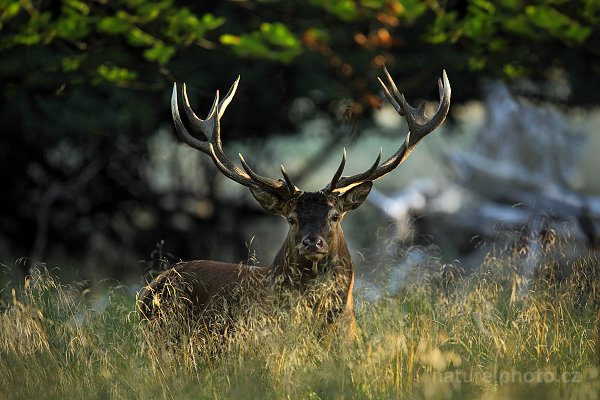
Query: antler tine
(288,181)
(390,97)
(199,125)
(345,182)
(220,110)
(336,177)
(225,167)
(206,126)
(418,123)
(228,97)
(183,133)
(211,129)
(255,177)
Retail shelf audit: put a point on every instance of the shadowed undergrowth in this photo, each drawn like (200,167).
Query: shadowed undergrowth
(493,334)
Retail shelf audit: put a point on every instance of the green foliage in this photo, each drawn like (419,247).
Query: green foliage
(272,41)
(346,10)
(157,27)
(116,75)
(163,28)
(185,28)
(141,43)
(556,24)
(491,29)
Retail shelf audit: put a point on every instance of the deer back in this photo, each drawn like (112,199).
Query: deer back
(195,284)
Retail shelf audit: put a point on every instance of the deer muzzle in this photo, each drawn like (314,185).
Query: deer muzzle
(313,247)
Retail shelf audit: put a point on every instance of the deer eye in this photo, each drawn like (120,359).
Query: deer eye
(291,220)
(335,217)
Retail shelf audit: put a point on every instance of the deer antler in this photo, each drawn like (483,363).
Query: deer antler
(419,126)
(210,128)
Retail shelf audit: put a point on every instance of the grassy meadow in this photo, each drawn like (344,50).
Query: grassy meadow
(492,333)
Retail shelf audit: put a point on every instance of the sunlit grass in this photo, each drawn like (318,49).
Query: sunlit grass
(492,334)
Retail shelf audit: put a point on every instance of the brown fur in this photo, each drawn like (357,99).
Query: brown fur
(202,281)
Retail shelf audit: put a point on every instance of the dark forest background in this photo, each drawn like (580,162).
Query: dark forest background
(85,111)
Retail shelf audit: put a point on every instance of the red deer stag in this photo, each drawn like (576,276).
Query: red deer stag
(315,243)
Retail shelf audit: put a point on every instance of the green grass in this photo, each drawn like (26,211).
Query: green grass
(487,335)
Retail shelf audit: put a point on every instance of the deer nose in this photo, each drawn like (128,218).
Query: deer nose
(313,242)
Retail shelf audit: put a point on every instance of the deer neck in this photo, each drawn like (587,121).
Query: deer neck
(290,264)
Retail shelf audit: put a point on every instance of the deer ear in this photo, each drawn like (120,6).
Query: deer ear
(270,201)
(354,197)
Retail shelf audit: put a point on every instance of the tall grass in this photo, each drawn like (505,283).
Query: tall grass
(492,334)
